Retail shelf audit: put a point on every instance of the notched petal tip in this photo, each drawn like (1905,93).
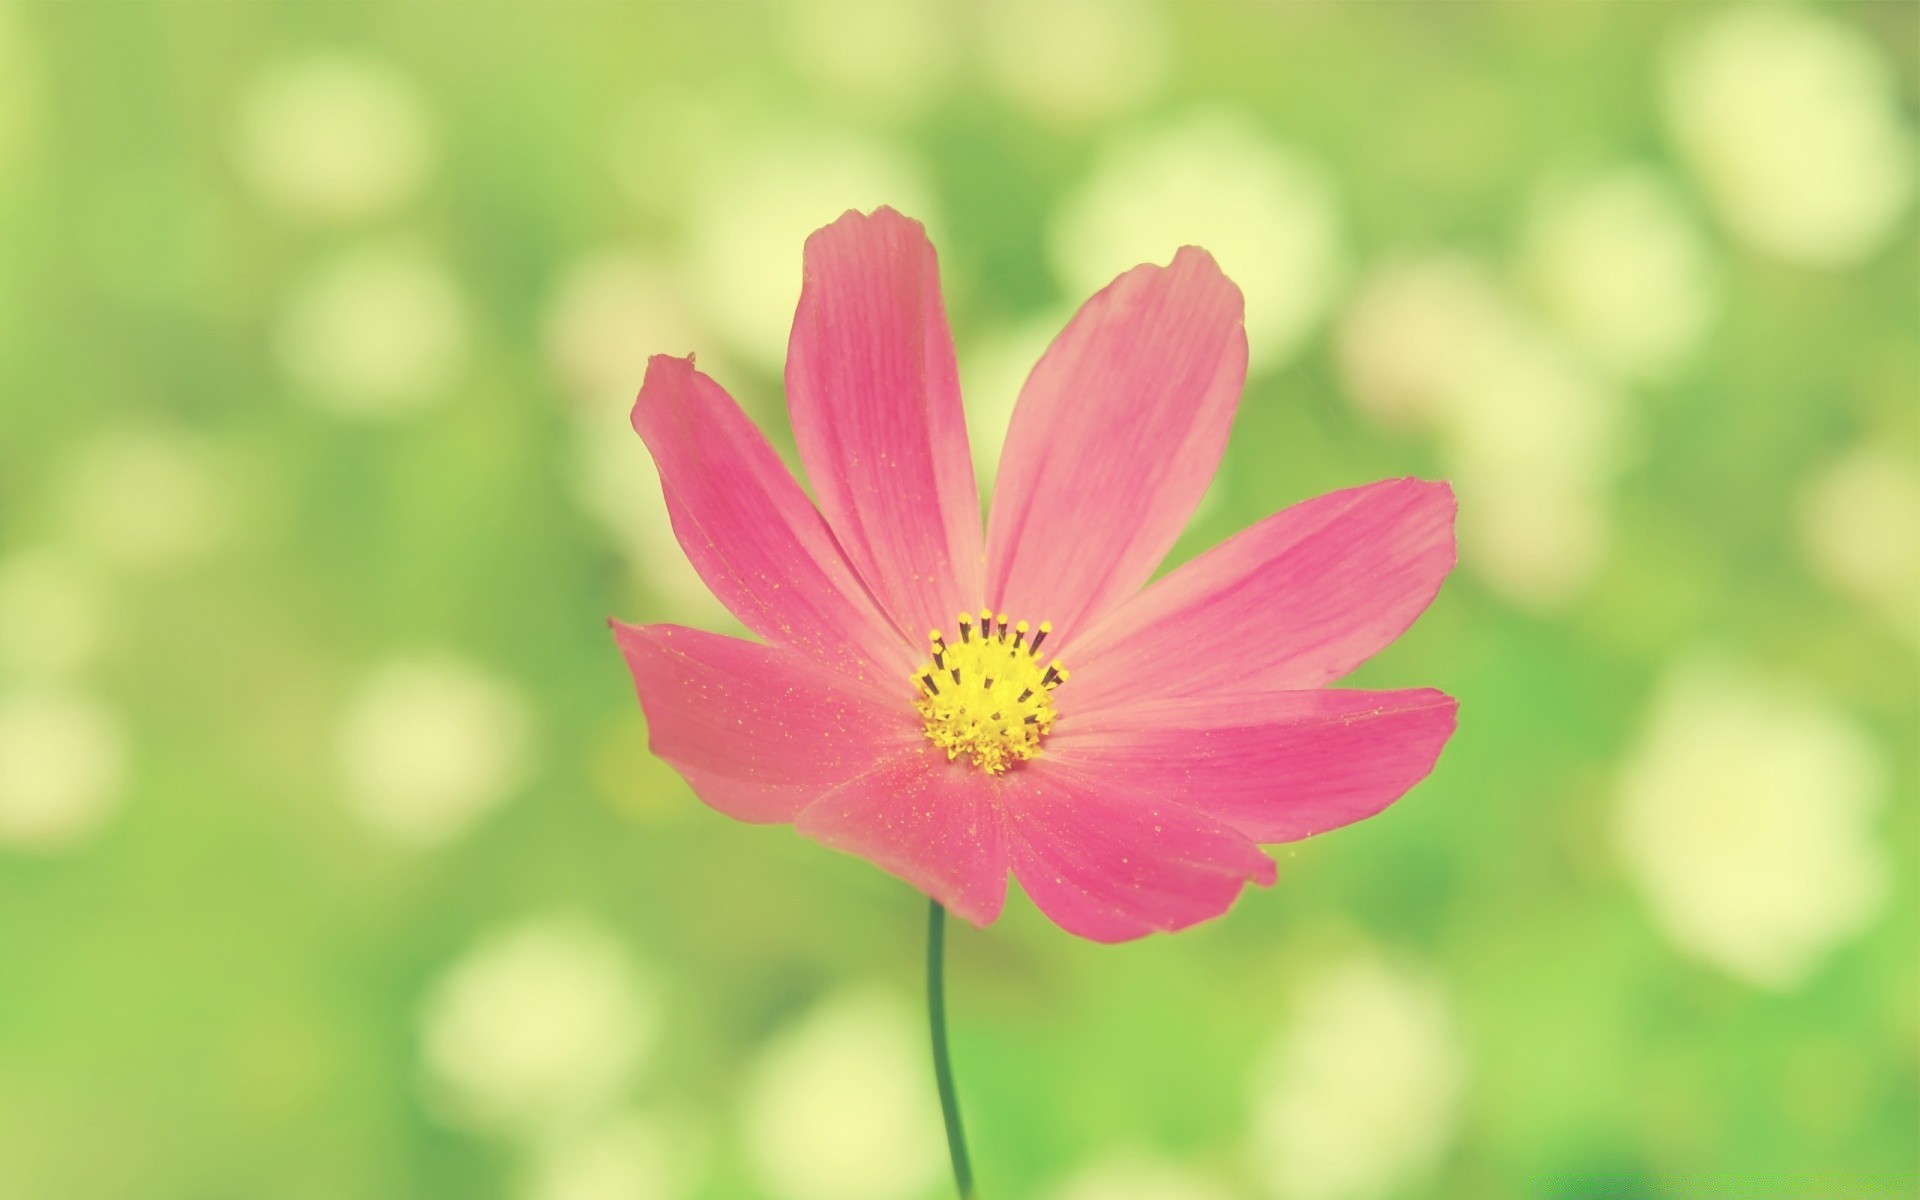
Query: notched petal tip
(1438,701)
(1267,873)
(665,366)
(667,375)
(1435,491)
(1199,263)
(1192,274)
(885,224)
(1436,496)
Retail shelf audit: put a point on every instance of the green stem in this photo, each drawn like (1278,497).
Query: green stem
(942,1069)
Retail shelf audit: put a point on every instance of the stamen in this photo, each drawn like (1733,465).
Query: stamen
(1046,627)
(999,706)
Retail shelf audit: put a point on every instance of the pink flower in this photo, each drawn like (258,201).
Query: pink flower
(913,702)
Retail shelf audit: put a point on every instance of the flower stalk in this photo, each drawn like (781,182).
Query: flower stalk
(942,1065)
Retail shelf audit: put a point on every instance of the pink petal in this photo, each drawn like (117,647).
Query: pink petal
(1117,433)
(751,532)
(759,732)
(933,823)
(1277,766)
(1111,865)
(1293,602)
(875,399)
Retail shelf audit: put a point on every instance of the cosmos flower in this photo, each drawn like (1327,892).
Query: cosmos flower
(954,707)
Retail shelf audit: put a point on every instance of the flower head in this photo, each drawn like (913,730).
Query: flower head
(911,702)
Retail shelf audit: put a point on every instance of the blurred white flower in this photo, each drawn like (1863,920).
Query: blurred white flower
(754,206)
(1525,410)
(1074,62)
(62,767)
(147,500)
(50,615)
(889,57)
(631,1157)
(1860,525)
(993,368)
(1619,266)
(429,745)
(538,1031)
(1533,443)
(841,1106)
(1531,439)
(1411,333)
(1745,815)
(332,139)
(378,332)
(1791,119)
(1210,179)
(1359,1096)
(1535,540)
(615,482)
(612,311)
(1138,1177)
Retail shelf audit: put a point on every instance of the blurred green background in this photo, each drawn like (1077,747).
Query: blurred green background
(332,862)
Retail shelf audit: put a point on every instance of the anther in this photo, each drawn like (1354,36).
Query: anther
(1046,627)
(966,627)
(931,685)
(1019,632)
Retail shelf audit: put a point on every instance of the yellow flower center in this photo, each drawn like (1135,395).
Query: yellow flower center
(989,695)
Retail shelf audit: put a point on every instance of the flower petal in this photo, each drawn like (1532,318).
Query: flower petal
(759,732)
(1116,435)
(1277,766)
(751,532)
(1293,602)
(933,823)
(1111,864)
(875,399)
